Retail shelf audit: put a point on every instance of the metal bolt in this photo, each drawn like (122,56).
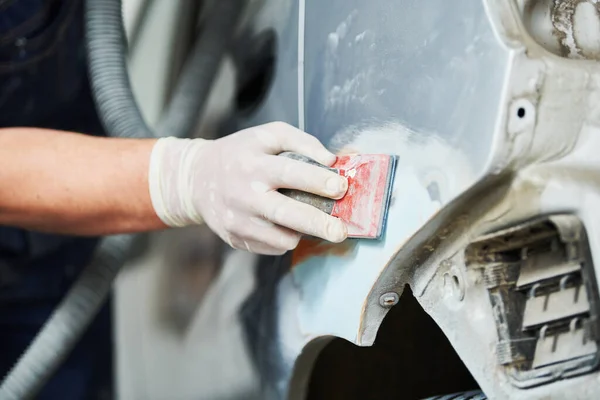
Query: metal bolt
(389,299)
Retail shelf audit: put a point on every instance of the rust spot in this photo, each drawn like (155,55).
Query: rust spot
(308,248)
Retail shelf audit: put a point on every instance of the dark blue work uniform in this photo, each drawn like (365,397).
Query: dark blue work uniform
(43,83)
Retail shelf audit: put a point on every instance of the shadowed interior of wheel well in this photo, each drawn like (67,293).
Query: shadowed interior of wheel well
(410,359)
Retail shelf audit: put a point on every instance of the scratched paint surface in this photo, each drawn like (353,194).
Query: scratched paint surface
(421,80)
(324,293)
(326,309)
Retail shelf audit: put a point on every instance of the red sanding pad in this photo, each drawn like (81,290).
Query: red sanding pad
(364,207)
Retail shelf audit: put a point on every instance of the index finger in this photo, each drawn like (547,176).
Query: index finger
(278,137)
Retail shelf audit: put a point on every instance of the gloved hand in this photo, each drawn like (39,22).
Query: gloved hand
(231,184)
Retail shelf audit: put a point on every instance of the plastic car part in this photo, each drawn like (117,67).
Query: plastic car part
(544,296)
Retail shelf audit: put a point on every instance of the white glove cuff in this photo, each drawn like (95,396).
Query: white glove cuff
(170,180)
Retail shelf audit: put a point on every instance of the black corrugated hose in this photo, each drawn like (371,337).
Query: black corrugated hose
(120,114)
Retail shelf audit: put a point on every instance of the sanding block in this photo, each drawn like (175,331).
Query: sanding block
(364,207)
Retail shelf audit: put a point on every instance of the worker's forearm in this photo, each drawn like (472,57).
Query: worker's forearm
(75,184)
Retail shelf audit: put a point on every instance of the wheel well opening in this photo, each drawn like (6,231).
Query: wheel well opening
(410,359)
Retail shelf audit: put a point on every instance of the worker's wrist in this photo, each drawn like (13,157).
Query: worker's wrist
(170,181)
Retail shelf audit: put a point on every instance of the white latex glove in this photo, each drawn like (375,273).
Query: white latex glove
(231,184)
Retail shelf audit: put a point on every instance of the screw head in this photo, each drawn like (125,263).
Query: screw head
(389,299)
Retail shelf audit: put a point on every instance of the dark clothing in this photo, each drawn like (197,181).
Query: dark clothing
(44,84)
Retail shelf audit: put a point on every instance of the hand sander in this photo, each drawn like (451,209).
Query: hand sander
(365,205)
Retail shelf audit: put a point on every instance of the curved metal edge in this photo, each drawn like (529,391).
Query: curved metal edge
(301,374)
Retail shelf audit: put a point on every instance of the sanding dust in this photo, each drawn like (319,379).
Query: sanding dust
(431,158)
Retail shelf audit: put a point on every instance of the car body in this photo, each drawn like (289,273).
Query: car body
(493,110)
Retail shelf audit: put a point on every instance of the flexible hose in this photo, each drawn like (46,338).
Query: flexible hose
(67,323)
(121,117)
(107,47)
(193,89)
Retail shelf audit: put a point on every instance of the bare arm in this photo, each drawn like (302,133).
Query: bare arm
(69,183)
